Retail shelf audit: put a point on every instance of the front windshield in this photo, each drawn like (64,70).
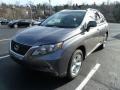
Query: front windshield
(66,19)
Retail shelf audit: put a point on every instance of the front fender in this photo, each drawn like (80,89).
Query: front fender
(69,47)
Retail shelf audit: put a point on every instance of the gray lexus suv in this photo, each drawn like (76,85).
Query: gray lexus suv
(61,43)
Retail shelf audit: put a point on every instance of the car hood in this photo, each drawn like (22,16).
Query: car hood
(44,35)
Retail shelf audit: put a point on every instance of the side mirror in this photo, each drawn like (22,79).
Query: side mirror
(41,21)
(91,24)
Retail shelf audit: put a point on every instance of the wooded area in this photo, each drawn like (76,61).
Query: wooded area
(111,11)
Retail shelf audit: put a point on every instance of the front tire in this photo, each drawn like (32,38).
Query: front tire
(75,64)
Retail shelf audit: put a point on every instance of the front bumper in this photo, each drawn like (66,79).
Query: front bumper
(48,63)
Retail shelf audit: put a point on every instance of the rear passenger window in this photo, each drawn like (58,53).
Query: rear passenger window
(97,18)
(102,19)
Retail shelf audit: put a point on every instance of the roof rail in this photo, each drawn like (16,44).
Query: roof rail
(91,9)
(65,9)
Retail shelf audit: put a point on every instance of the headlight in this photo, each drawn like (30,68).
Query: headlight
(45,49)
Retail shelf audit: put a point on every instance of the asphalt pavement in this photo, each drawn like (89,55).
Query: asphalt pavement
(106,77)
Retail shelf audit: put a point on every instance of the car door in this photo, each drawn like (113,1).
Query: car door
(102,27)
(26,23)
(19,23)
(91,36)
(22,23)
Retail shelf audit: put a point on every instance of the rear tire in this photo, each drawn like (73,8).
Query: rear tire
(75,64)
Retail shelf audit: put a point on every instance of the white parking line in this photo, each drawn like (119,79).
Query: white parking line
(4,40)
(4,56)
(88,77)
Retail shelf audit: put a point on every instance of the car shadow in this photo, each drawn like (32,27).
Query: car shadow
(25,79)
(117,36)
(15,77)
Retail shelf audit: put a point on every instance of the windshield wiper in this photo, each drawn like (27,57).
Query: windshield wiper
(60,26)
(50,25)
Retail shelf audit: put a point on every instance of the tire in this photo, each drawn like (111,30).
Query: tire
(15,26)
(74,66)
(103,45)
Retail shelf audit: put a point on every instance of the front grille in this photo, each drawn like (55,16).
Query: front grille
(19,48)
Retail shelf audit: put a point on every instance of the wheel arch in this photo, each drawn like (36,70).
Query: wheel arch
(83,49)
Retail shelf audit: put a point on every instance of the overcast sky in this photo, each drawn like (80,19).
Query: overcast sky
(55,2)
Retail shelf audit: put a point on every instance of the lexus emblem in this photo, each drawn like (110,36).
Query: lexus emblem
(16,47)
